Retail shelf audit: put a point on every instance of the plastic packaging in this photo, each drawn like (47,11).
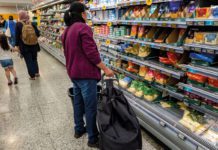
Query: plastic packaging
(196,77)
(210,58)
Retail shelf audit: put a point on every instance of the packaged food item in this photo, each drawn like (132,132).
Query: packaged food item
(165,60)
(161,78)
(133,86)
(151,33)
(143,70)
(190,37)
(133,68)
(189,10)
(175,11)
(175,36)
(162,10)
(199,37)
(211,38)
(210,58)
(196,77)
(162,36)
(174,57)
(141,32)
(203,13)
(134,31)
(150,76)
(125,82)
(139,90)
(150,94)
(192,120)
(212,134)
(154,9)
(145,12)
(214,11)
(135,50)
(144,51)
(213,82)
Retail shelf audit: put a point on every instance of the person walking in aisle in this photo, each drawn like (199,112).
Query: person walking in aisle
(27,43)
(83,65)
(6,59)
(11,24)
(2,22)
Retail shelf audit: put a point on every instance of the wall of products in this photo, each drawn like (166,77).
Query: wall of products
(165,53)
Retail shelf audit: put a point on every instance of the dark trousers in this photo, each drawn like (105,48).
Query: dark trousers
(30,58)
(85,101)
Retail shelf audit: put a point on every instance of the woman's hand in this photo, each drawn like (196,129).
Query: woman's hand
(17,49)
(108,72)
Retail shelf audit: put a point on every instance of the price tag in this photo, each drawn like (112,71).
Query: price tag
(134,3)
(62,19)
(215,23)
(209,23)
(90,23)
(108,42)
(173,25)
(109,24)
(201,23)
(197,49)
(164,25)
(148,2)
(210,51)
(153,24)
(104,7)
(190,23)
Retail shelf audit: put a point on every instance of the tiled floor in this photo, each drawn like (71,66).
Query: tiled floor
(37,115)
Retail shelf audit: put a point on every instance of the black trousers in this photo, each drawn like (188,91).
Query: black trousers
(30,58)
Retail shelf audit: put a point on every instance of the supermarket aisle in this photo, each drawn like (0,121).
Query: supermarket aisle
(38,114)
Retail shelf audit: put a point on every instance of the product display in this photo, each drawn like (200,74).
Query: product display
(166,57)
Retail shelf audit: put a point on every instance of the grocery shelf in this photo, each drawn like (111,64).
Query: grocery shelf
(162,46)
(60,11)
(51,33)
(152,64)
(53,51)
(200,91)
(113,22)
(44,20)
(173,24)
(166,124)
(47,3)
(202,22)
(102,7)
(174,94)
(206,71)
(141,2)
(49,14)
(202,48)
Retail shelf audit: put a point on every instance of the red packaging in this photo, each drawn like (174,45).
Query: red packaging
(213,82)
(165,60)
(196,77)
(173,57)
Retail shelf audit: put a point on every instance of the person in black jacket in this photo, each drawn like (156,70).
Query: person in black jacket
(2,22)
(29,52)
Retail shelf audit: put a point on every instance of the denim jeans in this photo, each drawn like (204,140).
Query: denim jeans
(30,58)
(12,40)
(85,102)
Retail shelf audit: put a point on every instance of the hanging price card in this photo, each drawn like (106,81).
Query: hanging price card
(108,42)
(104,7)
(90,23)
(109,24)
(149,2)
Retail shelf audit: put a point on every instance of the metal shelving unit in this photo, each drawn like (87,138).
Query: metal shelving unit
(200,91)
(202,48)
(206,71)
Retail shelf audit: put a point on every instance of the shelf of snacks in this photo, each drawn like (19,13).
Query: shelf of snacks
(204,16)
(48,3)
(171,116)
(202,48)
(154,65)
(102,7)
(210,72)
(126,3)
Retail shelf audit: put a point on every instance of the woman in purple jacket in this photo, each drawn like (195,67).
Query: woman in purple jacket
(83,65)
